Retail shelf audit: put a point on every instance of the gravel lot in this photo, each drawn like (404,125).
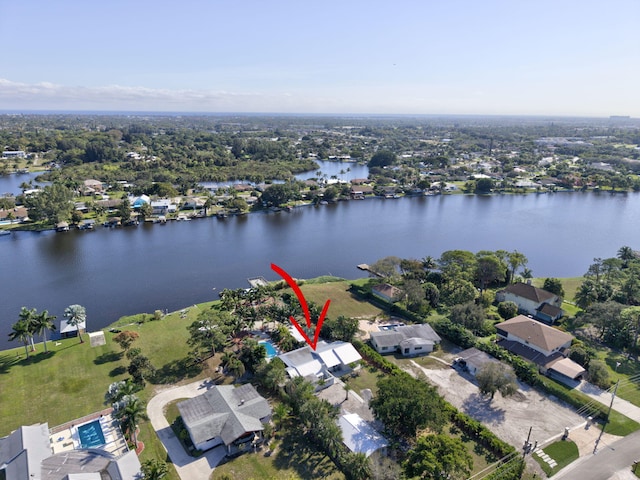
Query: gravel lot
(509,418)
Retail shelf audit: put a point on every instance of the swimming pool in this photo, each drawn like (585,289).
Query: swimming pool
(271,349)
(91,435)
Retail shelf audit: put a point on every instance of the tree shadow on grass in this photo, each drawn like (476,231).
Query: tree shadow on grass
(37,357)
(296,452)
(108,357)
(480,408)
(121,370)
(8,361)
(177,370)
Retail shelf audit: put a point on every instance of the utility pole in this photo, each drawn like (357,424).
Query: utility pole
(525,448)
(613,396)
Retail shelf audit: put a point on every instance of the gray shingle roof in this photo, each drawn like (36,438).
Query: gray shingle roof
(390,338)
(224,411)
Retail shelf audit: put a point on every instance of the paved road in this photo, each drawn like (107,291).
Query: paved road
(188,467)
(607,462)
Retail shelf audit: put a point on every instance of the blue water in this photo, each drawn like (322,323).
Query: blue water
(91,435)
(271,350)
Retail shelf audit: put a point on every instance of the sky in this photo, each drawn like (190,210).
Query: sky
(489,57)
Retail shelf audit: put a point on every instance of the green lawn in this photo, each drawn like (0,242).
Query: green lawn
(563,452)
(342,301)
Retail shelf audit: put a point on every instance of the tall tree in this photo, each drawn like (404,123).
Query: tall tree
(76,315)
(405,404)
(28,316)
(553,285)
(154,470)
(489,269)
(438,457)
(42,323)
(495,377)
(516,260)
(21,331)
(129,412)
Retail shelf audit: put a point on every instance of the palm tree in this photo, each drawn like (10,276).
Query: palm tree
(154,470)
(280,414)
(76,315)
(129,413)
(20,331)
(43,322)
(346,387)
(28,317)
(626,254)
(515,260)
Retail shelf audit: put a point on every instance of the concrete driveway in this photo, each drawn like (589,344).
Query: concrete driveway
(188,467)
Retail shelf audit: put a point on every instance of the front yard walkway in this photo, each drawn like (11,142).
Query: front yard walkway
(188,467)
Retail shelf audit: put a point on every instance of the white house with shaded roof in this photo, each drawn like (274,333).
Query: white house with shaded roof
(408,340)
(26,454)
(540,304)
(359,435)
(225,415)
(321,364)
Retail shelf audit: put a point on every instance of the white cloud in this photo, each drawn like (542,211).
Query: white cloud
(45,95)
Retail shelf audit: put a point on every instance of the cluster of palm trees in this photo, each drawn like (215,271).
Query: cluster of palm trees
(31,323)
(128,409)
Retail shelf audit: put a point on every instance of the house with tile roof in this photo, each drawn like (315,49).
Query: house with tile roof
(387,292)
(534,301)
(541,344)
(226,415)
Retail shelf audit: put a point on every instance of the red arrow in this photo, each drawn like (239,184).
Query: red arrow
(305,308)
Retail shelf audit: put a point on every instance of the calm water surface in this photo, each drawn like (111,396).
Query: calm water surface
(113,272)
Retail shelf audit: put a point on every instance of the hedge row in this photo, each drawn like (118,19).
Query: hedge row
(464,422)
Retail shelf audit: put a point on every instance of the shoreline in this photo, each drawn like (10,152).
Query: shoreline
(289,208)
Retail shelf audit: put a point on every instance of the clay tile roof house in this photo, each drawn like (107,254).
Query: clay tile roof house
(225,415)
(387,292)
(541,344)
(534,301)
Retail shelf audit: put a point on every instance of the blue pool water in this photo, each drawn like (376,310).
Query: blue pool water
(91,435)
(271,350)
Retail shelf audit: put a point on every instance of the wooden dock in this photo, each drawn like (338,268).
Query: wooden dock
(367,268)
(256,282)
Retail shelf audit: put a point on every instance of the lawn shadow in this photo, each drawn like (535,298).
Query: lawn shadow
(108,357)
(297,453)
(480,408)
(121,370)
(36,357)
(177,370)
(8,361)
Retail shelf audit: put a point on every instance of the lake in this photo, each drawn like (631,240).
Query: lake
(113,272)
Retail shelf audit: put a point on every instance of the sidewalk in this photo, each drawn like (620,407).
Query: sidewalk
(188,467)
(619,405)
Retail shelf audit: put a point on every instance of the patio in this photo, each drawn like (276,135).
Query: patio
(64,437)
